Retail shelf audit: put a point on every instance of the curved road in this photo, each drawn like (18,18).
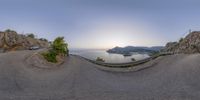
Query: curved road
(175,77)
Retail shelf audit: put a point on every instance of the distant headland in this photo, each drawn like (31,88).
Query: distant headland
(126,51)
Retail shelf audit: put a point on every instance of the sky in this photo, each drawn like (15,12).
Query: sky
(103,23)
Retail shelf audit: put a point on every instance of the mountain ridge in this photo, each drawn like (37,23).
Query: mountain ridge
(139,49)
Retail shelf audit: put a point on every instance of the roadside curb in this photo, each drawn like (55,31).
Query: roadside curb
(128,67)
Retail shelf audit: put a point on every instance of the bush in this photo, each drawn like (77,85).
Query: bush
(31,35)
(50,56)
(100,59)
(43,39)
(181,39)
(59,46)
(9,30)
(133,59)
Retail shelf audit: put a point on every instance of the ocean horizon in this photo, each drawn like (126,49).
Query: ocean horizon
(92,54)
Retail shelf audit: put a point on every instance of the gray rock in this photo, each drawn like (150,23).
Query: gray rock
(11,41)
(188,45)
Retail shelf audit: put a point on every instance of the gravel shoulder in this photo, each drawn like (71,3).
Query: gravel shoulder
(174,77)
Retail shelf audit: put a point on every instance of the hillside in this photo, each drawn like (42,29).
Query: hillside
(12,41)
(189,45)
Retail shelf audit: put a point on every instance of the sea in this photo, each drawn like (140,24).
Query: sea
(92,54)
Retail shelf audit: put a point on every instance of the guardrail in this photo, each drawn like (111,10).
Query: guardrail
(123,65)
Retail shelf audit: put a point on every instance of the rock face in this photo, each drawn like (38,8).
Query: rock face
(190,44)
(171,47)
(11,41)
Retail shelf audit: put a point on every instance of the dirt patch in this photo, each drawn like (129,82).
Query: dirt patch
(37,60)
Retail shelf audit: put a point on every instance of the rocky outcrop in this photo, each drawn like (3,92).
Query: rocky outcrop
(190,44)
(11,41)
(171,46)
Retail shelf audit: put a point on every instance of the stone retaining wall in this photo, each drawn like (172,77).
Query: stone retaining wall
(127,67)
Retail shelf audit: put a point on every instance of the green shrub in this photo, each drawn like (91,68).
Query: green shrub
(100,59)
(9,30)
(43,39)
(31,35)
(133,59)
(181,39)
(59,46)
(50,56)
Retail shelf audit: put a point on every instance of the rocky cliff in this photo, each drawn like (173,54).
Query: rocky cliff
(189,44)
(11,41)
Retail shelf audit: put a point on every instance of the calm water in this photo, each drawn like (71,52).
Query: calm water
(109,58)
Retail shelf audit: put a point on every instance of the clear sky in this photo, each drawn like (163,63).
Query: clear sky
(102,23)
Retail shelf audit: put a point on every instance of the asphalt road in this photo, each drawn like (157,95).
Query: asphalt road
(175,77)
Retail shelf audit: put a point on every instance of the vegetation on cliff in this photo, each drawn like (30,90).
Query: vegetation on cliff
(190,44)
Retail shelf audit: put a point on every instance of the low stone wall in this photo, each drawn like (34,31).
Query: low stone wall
(131,68)
(122,65)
